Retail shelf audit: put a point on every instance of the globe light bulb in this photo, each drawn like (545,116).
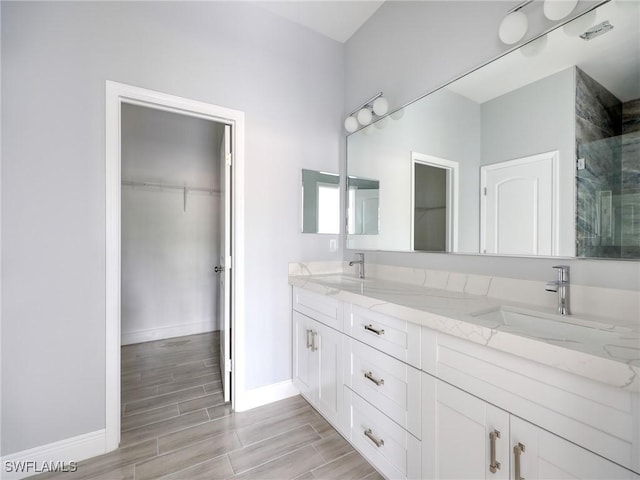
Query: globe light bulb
(351,124)
(380,106)
(364,116)
(513,27)
(558,9)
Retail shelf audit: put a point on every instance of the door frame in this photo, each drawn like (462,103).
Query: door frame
(115,95)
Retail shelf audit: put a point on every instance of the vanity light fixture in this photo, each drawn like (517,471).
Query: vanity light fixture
(514,26)
(363,115)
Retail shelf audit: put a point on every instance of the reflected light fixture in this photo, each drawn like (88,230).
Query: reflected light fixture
(558,9)
(515,24)
(363,115)
(513,27)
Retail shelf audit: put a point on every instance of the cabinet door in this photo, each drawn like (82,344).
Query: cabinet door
(328,355)
(539,454)
(470,435)
(304,375)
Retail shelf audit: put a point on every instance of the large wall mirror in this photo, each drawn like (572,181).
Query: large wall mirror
(535,153)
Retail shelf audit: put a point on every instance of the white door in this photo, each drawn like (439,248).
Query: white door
(225,264)
(519,201)
(472,437)
(538,454)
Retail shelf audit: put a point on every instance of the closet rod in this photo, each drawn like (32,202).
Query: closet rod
(168,186)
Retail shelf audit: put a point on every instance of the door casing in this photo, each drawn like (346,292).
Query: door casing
(117,94)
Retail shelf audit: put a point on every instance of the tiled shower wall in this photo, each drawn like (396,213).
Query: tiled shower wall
(608,193)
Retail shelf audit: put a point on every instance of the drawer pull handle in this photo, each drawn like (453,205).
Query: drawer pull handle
(314,340)
(309,338)
(494,466)
(518,450)
(371,329)
(369,376)
(377,441)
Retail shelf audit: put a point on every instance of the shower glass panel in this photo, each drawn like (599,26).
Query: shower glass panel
(608,195)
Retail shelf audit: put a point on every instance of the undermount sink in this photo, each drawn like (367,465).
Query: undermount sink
(549,327)
(339,280)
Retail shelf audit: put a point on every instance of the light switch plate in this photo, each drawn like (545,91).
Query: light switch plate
(333,245)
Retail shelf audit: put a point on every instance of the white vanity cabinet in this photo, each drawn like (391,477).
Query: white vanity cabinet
(421,403)
(476,440)
(317,358)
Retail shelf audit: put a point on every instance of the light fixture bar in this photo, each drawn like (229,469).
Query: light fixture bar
(371,100)
(522,5)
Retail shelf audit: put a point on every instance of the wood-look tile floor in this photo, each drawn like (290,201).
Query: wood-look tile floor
(175,425)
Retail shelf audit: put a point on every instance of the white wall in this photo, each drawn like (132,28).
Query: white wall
(55,59)
(168,249)
(439,41)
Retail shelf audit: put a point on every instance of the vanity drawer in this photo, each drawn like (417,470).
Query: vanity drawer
(389,447)
(325,309)
(398,338)
(390,385)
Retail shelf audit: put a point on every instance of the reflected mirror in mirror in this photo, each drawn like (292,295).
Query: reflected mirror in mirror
(519,129)
(320,202)
(363,199)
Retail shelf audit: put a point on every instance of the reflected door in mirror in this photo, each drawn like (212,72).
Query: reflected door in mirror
(520,205)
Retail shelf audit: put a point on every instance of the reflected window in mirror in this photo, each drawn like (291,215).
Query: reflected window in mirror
(320,202)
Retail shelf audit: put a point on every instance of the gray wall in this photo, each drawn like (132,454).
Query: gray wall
(537,118)
(55,59)
(168,248)
(408,49)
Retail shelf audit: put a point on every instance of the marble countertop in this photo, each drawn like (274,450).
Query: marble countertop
(590,347)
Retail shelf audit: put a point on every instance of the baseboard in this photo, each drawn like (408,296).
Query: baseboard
(59,456)
(160,333)
(257,397)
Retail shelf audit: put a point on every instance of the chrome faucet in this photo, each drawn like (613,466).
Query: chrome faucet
(360,262)
(561,285)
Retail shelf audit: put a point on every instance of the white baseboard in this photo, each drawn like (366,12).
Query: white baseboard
(257,397)
(54,455)
(160,333)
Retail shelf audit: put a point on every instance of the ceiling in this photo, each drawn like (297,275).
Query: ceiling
(337,19)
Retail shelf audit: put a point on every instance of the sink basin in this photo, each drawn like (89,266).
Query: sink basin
(549,327)
(339,280)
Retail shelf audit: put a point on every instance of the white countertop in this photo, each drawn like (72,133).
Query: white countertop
(594,348)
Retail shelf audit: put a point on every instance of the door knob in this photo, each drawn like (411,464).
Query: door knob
(218,269)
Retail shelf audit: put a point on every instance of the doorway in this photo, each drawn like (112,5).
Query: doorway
(434,203)
(231,169)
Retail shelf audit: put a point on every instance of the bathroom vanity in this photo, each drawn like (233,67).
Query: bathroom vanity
(440,379)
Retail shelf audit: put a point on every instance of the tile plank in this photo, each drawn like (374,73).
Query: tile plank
(273,447)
